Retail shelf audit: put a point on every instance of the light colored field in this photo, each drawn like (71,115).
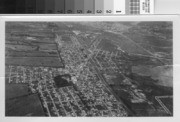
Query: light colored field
(164,74)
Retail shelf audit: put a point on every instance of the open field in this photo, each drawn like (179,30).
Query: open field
(156,38)
(10,39)
(107,45)
(144,60)
(125,44)
(47,46)
(21,47)
(153,44)
(34,61)
(12,53)
(16,90)
(34,46)
(33,107)
(168,102)
(163,74)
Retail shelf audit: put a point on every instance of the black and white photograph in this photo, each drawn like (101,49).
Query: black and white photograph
(89,68)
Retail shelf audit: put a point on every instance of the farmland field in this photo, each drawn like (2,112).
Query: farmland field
(163,74)
(34,46)
(168,102)
(16,90)
(32,106)
(12,53)
(34,61)
(126,44)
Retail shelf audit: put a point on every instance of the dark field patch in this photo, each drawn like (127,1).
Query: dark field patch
(16,90)
(137,60)
(66,39)
(24,106)
(168,102)
(61,82)
(107,45)
(156,41)
(147,39)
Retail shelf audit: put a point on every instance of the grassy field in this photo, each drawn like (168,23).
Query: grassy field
(16,90)
(107,45)
(24,106)
(156,37)
(153,44)
(125,44)
(21,47)
(34,46)
(47,46)
(144,61)
(168,102)
(164,74)
(34,61)
(12,53)
(10,39)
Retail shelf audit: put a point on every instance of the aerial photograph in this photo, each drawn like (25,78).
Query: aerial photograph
(89,69)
